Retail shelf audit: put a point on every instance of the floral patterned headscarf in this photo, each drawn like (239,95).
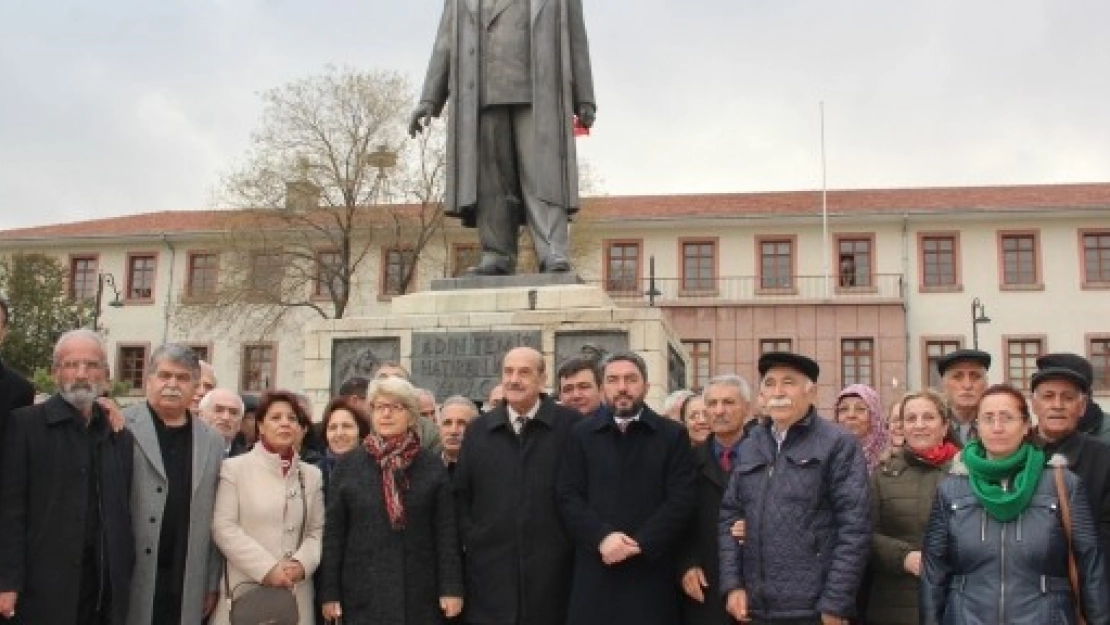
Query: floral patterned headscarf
(878,436)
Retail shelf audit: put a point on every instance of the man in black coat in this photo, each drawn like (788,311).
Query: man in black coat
(66,548)
(1060,396)
(728,404)
(626,491)
(518,553)
(15,390)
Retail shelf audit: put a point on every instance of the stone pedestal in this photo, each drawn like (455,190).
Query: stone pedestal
(453,340)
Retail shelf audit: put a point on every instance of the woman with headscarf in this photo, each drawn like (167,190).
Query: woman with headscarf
(902,491)
(859,410)
(391,549)
(996,548)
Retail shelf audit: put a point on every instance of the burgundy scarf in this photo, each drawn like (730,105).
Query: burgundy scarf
(286,456)
(936,456)
(394,455)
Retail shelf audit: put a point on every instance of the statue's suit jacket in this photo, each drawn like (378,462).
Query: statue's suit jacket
(561,80)
(148,500)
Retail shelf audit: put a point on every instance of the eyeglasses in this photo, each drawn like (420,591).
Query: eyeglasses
(1005,418)
(387,407)
(74,365)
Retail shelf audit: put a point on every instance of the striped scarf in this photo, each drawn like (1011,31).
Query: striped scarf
(394,456)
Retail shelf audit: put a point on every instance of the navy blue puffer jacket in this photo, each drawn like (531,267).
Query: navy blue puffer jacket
(808,529)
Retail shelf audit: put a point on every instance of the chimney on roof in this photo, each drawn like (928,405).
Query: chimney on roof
(302,194)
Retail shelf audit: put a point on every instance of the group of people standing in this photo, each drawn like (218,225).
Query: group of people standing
(970,504)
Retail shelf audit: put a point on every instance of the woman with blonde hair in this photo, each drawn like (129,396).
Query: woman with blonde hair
(391,549)
(902,491)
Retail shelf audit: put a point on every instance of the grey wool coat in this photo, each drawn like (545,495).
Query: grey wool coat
(379,574)
(561,80)
(148,499)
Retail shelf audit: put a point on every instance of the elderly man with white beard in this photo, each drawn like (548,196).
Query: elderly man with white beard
(65,530)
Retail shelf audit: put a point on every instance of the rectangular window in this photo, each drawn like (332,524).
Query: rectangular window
(258,367)
(938,261)
(131,365)
(396,264)
(463,257)
(203,270)
(1099,355)
(1096,258)
(934,351)
(267,270)
(857,360)
(775,345)
(776,263)
(83,275)
(329,271)
(1019,260)
(699,265)
(1021,360)
(622,266)
(700,362)
(202,351)
(140,276)
(854,257)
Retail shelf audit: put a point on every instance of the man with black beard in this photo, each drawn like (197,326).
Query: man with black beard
(65,528)
(626,491)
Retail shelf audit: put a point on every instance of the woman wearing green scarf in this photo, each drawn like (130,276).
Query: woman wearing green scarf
(995,551)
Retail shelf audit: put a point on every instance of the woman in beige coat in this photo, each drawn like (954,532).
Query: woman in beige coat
(260,512)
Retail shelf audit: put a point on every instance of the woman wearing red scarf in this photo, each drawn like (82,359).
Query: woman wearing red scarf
(902,492)
(269,514)
(391,549)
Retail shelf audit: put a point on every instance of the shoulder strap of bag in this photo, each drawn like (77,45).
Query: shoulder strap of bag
(1073,570)
(300,536)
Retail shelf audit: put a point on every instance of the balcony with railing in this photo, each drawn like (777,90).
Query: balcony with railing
(754,290)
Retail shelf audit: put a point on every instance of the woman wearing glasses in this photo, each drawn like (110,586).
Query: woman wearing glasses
(902,491)
(391,550)
(996,549)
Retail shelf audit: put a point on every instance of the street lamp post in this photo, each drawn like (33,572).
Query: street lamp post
(103,279)
(978,316)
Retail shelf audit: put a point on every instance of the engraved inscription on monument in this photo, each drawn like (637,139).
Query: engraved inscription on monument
(464,363)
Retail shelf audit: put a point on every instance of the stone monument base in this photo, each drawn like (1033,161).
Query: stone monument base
(453,340)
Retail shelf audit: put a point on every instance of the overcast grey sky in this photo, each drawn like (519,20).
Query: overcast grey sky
(126,106)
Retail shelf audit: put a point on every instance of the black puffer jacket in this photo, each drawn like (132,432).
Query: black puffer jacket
(807,513)
(977,571)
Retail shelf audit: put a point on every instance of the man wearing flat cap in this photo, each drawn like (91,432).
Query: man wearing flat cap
(1093,421)
(1060,395)
(800,485)
(964,373)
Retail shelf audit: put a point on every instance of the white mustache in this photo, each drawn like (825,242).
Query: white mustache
(171,393)
(779,403)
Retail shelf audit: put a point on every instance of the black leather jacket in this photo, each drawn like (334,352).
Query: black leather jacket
(977,571)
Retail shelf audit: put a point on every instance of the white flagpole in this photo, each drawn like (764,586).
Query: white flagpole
(825,209)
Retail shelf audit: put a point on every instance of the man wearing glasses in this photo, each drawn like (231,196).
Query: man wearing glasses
(65,526)
(1061,389)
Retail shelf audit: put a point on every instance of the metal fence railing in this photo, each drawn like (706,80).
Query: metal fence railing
(753,289)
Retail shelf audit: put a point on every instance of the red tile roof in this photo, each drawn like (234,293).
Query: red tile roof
(718,205)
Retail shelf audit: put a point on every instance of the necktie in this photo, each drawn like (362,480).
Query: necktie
(622,424)
(726,460)
(518,424)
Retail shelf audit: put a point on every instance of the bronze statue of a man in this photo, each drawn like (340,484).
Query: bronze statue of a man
(516,72)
